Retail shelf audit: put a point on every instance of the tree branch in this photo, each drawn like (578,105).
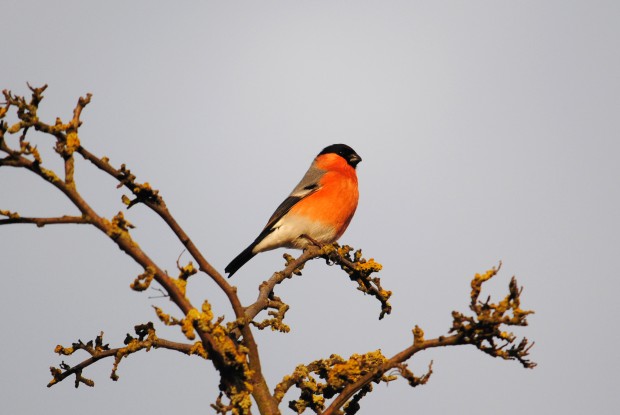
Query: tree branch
(40,222)
(98,351)
(395,361)
(358,269)
(266,288)
(150,197)
(232,366)
(347,381)
(231,345)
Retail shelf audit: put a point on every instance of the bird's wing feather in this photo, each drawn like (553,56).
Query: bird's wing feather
(309,184)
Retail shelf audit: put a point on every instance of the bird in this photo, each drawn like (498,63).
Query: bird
(318,210)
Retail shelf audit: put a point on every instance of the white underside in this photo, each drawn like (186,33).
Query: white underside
(288,231)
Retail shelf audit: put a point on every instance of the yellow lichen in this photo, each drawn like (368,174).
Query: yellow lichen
(64,350)
(36,155)
(49,175)
(184,273)
(73,142)
(318,400)
(418,335)
(59,126)
(479,279)
(143,281)
(198,349)
(181,285)
(163,317)
(15,128)
(187,324)
(344,373)
(328,249)
(369,266)
(119,227)
(9,214)
(206,311)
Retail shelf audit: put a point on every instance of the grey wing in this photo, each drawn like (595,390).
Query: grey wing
(308,185)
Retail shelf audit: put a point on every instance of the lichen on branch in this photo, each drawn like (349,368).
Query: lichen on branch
(97,349)
(346,382)
(485,329)
(360,270)
(352,262)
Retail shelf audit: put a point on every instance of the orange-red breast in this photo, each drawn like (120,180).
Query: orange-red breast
(318,209)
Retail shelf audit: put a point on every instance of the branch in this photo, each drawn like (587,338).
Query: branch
(232,363)
(395,361)
(146,195)
(358,268)
(40,222)
(360,271)
(347,381)
(150,197)
(146,340)
(265,290)
(231,346)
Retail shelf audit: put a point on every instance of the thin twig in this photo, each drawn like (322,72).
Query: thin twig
(40,222)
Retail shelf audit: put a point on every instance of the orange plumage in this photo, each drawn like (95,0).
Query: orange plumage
(320,207)
(336,201)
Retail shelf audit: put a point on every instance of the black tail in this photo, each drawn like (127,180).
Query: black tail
(240,260)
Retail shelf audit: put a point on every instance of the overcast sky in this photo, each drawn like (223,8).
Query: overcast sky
(489,130)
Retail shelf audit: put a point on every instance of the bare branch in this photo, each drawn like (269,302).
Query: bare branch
(40,222)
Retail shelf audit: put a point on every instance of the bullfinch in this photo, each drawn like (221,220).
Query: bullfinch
(318,210)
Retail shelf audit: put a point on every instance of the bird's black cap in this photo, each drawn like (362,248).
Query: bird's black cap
(343,151)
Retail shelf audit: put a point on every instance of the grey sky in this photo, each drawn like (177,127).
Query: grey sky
(489,130)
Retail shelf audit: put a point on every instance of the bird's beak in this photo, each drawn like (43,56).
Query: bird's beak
(354,160)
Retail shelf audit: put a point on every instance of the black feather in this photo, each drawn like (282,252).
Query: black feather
(343,151)
(247,253)
(240,260)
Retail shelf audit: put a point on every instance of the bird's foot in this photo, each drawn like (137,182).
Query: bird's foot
(311,240)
